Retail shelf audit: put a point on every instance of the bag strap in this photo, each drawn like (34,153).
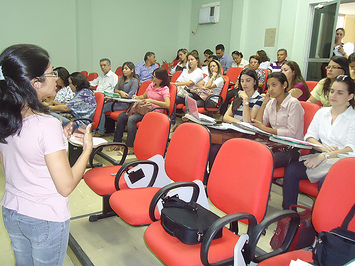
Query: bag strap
(300,206)
(348,218)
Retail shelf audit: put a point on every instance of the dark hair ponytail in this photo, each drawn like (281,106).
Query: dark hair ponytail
(19,65)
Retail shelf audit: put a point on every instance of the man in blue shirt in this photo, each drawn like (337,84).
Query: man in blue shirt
(144,70)
(225,60)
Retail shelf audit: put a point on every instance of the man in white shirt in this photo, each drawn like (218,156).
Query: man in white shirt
(107,80)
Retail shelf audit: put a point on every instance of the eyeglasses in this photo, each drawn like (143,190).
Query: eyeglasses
(53,74)
(332,67)
(254,63)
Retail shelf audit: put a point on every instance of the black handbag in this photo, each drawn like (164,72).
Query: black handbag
(336,247)
(188,221)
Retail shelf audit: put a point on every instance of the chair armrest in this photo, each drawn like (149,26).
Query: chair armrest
(159,107)
(98,151)
(215,227)
(127,166)
(164,190)
(257,232)
(218,105)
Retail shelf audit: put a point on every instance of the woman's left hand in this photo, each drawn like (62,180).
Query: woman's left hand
(243,95)
(313,162)
(68,129)
(124,94)
(256,123)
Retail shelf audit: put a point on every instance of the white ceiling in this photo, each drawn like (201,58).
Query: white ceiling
(347,9)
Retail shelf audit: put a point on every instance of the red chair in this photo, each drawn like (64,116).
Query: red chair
(310,110)
(114,115)
(119,71)
(175,76)
(233,74)
(100,98)
(266,74)
(333,203)
(166,66)
(85,73)
(311,85)
(92,76)
(185,160)
(151,139)
(242,193)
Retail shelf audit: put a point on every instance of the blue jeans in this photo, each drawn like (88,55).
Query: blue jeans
(131,127)
(34,241)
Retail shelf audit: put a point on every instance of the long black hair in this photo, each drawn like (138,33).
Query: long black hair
(349,82)
(251,73)
(344,64)
(19,65)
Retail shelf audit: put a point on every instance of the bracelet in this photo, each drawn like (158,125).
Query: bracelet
(326,155)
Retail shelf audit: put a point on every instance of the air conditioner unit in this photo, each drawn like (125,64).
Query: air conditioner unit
(209,15)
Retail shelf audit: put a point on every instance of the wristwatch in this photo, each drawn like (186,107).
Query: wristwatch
(246,103)
(327,155)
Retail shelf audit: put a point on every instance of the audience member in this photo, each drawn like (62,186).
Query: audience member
(182,53)
(340,48)
(207,54)
(211,84)
(333,129)
(63,91)
(352,65)
(144,70)
(126,87)
(254,62)
(157,94)
(107,80)
(83,105)
(225,60)
(281,59)
(297,85)
(33,153)
(265,60)
(238,60)
(338,65)
(209,59)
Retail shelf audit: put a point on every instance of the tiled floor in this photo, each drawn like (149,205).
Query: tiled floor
(111,241)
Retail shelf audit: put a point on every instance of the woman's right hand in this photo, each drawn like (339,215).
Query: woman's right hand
(267,97)
(87,138)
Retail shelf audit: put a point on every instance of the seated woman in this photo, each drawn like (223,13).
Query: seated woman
(158,94)
(126,87)
(83,105)
(207,54)
(333,128)
(182,53)
(265,60)
(337,65)
(213,83)
(297,85)
(238,60)
(63,91)
(352,65)
(245,106)
(189,78)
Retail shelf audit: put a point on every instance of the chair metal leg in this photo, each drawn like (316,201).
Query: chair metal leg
(106,210)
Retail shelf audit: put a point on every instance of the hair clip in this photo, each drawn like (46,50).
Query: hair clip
(1,74)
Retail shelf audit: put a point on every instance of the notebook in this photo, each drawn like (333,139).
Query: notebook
(193,111)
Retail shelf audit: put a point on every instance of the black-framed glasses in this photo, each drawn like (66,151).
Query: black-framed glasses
(332,67)
(53,74)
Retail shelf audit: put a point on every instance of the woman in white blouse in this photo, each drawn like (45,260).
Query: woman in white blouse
(182,53)
(333,128)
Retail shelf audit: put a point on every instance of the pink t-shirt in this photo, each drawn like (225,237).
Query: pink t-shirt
(29,188)
(157,94)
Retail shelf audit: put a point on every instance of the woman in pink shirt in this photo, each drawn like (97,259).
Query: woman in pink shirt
(157,94)
(33,153)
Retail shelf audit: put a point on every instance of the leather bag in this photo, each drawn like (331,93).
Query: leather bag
(203,93)
(336,247)
(305,235)
(188,221)
(140,107)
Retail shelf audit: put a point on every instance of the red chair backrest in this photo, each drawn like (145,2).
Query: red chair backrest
(119,71)
(143,87)
(92,76)
(152,135)
(85,73)
(311,85)
(100,98)
(166,66)
(266,74)
(244,188)
(225,88)
(336,197)
(186,157)
(310,109)
(175,76)
(233,73)
(172,91)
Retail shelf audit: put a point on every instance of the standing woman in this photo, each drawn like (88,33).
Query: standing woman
(297,85)
(333,128)
(126,87)
(182,54)
(338,65)
(157,94)
(33,153)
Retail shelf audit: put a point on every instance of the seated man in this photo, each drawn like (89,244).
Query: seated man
(107,80)
(281,59)
(144,70)
(225,60)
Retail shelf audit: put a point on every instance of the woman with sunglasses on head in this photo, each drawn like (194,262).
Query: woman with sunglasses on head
(33,153)
(338,65)
(83,105)
(333,129)
(297,85)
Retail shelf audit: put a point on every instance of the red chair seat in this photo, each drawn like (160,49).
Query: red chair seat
(177,253)
(134,212)
(285,259)
(309,188)
(105,185)
(279,172)
(114,115)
